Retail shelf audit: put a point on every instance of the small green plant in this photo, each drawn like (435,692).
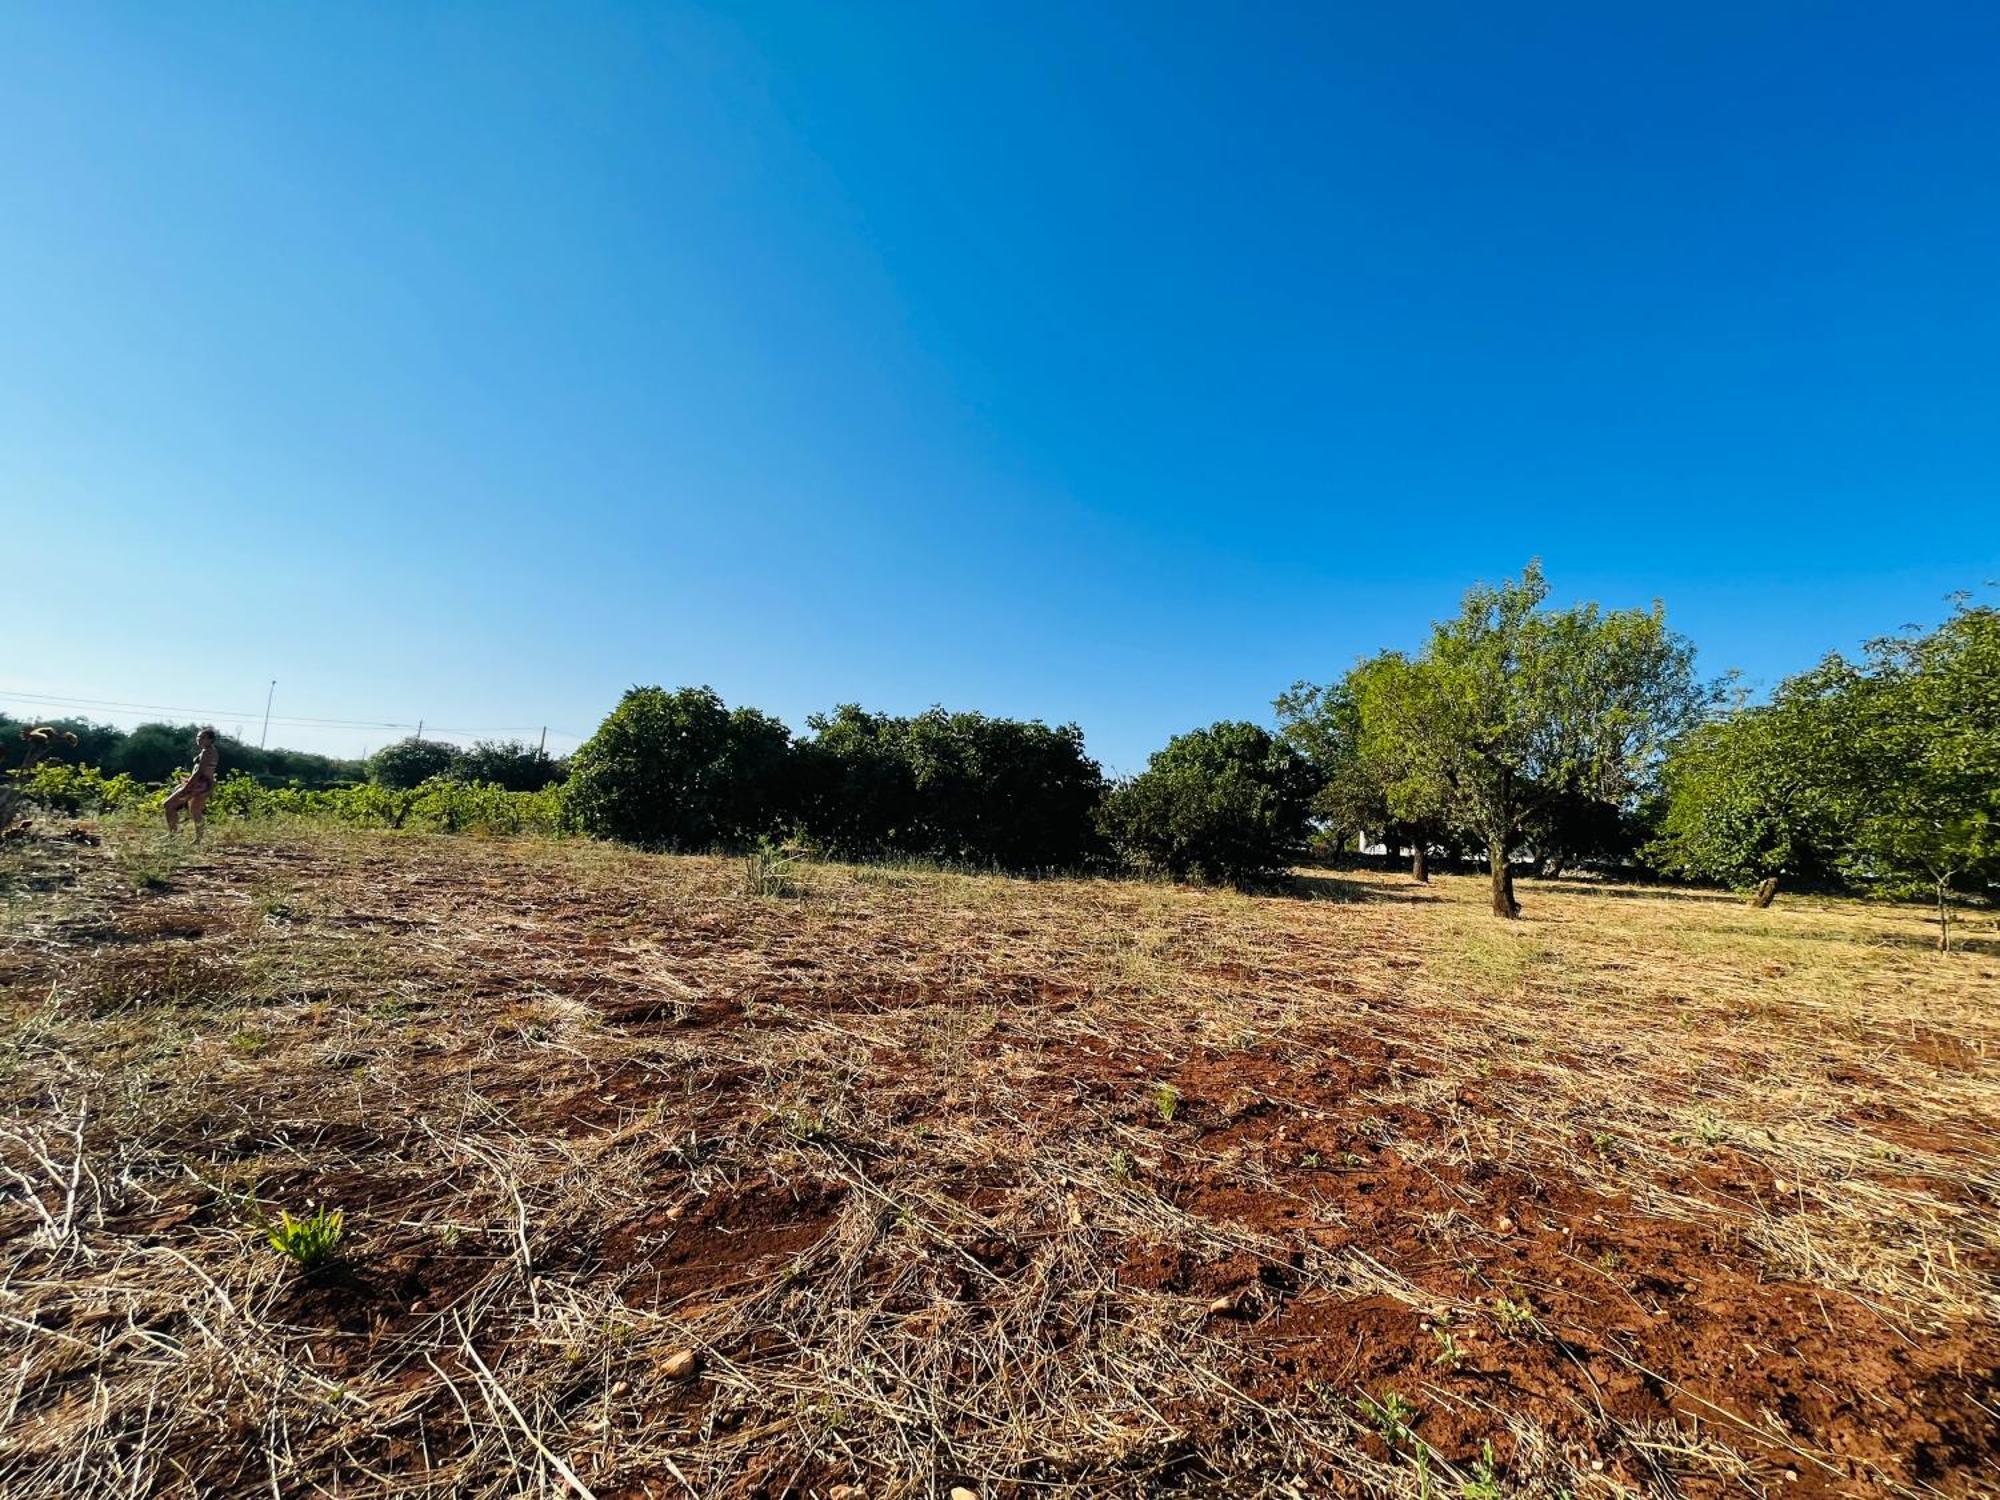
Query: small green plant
(308,1242)
(1485,1481)
(1167,1100)
(249,1043)
(1392,1416)
(767,870)
(1514,1316)
(1121,1164)
(1448,1353)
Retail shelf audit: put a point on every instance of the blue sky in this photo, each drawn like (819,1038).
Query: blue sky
(1118,364)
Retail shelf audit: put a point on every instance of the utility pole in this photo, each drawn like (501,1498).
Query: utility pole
(542,750)
(420,729)
(268,696)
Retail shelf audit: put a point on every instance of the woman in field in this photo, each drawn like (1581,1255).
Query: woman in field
(192,793)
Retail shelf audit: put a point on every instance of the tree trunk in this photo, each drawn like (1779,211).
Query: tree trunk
(1391,847)
(1420,869)
(1944,918)
(1504,904)
(1767,892)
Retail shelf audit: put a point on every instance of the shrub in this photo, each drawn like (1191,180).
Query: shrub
(411,762)
(680,769)
(965,788)
(1226,803)
(80,789)
(511,764)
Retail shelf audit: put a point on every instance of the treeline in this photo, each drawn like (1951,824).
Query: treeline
(1527,737)
(157,752)
(513,765)
(682,770)
(1882,773)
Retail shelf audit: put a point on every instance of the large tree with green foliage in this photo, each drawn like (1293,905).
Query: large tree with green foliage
(682,770)
(410,762)
(1747,799)
(1513,710)
(965,787)
(1228,803)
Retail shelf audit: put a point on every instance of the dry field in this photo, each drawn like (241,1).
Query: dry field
(904,1181)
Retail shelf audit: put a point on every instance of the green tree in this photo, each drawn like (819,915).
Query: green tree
(1885,771)
(513,764)
(1510,708)
(1749,800)
(1365,787)
(1917,759)
(965,787)
(682,770)
(411,762)
(1229,803)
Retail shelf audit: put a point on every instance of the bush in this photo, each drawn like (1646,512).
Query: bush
(411,762)
(80,789)
(1228,803)
(965,788)
(681,770)
(512,764)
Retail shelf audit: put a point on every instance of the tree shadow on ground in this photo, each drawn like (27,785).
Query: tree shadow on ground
(1574,887)
(1325,885)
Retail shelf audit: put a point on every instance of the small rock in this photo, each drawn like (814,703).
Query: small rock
(1503,1225)
(1597,1466)
(681,1364)
(620,1387)
(847,1492)
(419,1308)
(960,1492)
(1229,1305)
(1779,1185)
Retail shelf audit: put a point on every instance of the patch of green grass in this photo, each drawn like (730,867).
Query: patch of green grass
(1167,1101)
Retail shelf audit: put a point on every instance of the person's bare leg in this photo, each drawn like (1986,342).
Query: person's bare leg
(172,808)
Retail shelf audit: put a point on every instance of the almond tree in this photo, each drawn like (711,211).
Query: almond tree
(1510,708)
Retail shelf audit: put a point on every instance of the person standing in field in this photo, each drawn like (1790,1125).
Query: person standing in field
(192,793)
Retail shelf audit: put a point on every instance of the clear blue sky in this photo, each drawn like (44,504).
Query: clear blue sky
(1117,364)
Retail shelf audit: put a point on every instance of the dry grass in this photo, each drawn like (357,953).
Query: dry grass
(1653,1192)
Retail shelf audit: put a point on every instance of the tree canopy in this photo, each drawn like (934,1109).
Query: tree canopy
(1514,721)
(1230,803)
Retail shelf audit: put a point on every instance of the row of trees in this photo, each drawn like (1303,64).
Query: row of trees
(1520,734)
(1517,732)
(512,764)
(683,770)
(159,751)
(1883,772)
